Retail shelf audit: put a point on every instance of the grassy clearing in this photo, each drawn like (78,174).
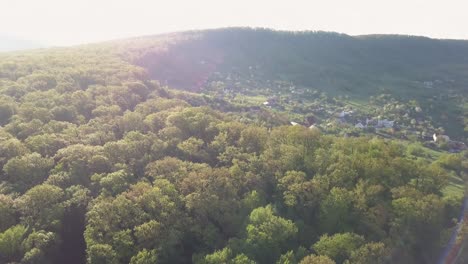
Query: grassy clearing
(432,154)
(456,187)
(251,100)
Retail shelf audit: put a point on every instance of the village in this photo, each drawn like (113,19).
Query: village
(382,115)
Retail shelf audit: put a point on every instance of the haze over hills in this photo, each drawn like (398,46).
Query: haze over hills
(234,146)
(9,43)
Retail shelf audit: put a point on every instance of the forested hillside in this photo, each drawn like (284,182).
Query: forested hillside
(430,71)
(103,160)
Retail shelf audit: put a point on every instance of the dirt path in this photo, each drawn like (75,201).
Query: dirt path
(456,250)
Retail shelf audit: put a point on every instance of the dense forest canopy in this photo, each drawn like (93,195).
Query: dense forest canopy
(104,161)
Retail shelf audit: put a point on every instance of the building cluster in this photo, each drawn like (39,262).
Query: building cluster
(370,122)
(453,146)
(385,123)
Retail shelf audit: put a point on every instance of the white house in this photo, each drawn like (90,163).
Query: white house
(385,123)
(314,127)
(344,114)
(428,84)
(359,125)
(440,138)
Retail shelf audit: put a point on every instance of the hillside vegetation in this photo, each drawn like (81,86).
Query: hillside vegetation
(123,152)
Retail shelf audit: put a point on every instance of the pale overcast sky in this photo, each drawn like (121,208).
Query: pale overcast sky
(67,22)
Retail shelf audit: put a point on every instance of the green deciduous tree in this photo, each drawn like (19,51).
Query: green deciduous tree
(11,248)
(267,234)
(313,259)
(7,212)
(28,170)
(41,207)
(369,253)
(102,254)
(145,257)
(338,247)
(335,211)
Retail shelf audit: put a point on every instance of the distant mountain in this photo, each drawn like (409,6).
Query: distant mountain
(333,62)
(9,43)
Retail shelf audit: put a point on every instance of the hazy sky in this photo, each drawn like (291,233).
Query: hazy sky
(66,22)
